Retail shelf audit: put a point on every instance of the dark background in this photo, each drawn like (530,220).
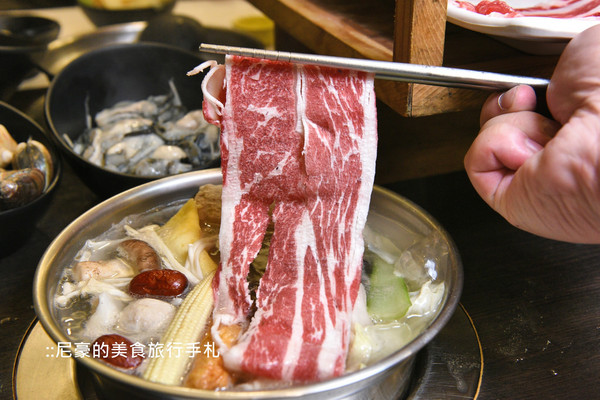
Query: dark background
(18,4)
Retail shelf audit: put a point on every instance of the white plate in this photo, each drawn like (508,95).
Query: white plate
(533,34)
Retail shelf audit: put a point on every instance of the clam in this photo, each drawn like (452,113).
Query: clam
(33,154)
(19,187)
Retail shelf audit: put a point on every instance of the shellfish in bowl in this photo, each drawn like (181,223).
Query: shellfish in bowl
(29,172)
(156,136)
(117,112)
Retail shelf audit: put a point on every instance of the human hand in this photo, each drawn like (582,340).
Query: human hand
(542,175)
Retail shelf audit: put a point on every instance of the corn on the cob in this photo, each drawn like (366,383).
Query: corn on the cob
(186,328)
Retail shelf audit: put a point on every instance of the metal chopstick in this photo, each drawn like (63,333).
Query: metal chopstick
(404,72)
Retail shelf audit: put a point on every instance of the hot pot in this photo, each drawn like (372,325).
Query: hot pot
(390,214)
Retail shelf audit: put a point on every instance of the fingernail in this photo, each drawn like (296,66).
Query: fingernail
(506,99)
(533,145)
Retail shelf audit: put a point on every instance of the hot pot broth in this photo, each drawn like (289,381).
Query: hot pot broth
(403,290)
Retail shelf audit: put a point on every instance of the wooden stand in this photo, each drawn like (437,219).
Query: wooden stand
(423,130)
(412,31)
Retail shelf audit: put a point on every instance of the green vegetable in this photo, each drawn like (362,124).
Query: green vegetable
(387,297)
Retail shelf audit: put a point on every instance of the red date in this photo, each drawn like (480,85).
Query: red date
(158,283)
(117,351)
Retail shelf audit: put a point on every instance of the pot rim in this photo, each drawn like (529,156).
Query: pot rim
(454,280)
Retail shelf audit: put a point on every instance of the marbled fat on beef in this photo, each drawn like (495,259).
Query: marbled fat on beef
(565,9)
(298,149)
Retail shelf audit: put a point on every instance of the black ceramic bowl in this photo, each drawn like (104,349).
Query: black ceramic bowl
(104,16)
(17,223)
(23,42)
(187,33)
(102,78)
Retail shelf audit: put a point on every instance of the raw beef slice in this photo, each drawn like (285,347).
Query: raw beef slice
(298,149)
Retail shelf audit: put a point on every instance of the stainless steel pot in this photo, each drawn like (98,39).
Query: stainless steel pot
(390,214)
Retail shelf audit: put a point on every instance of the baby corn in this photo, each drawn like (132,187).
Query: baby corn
(185,329)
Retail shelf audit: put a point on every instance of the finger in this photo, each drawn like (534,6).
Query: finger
(501,146)
(518,132)
(536,126)
(504,144)
(519,98)
(494,157)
